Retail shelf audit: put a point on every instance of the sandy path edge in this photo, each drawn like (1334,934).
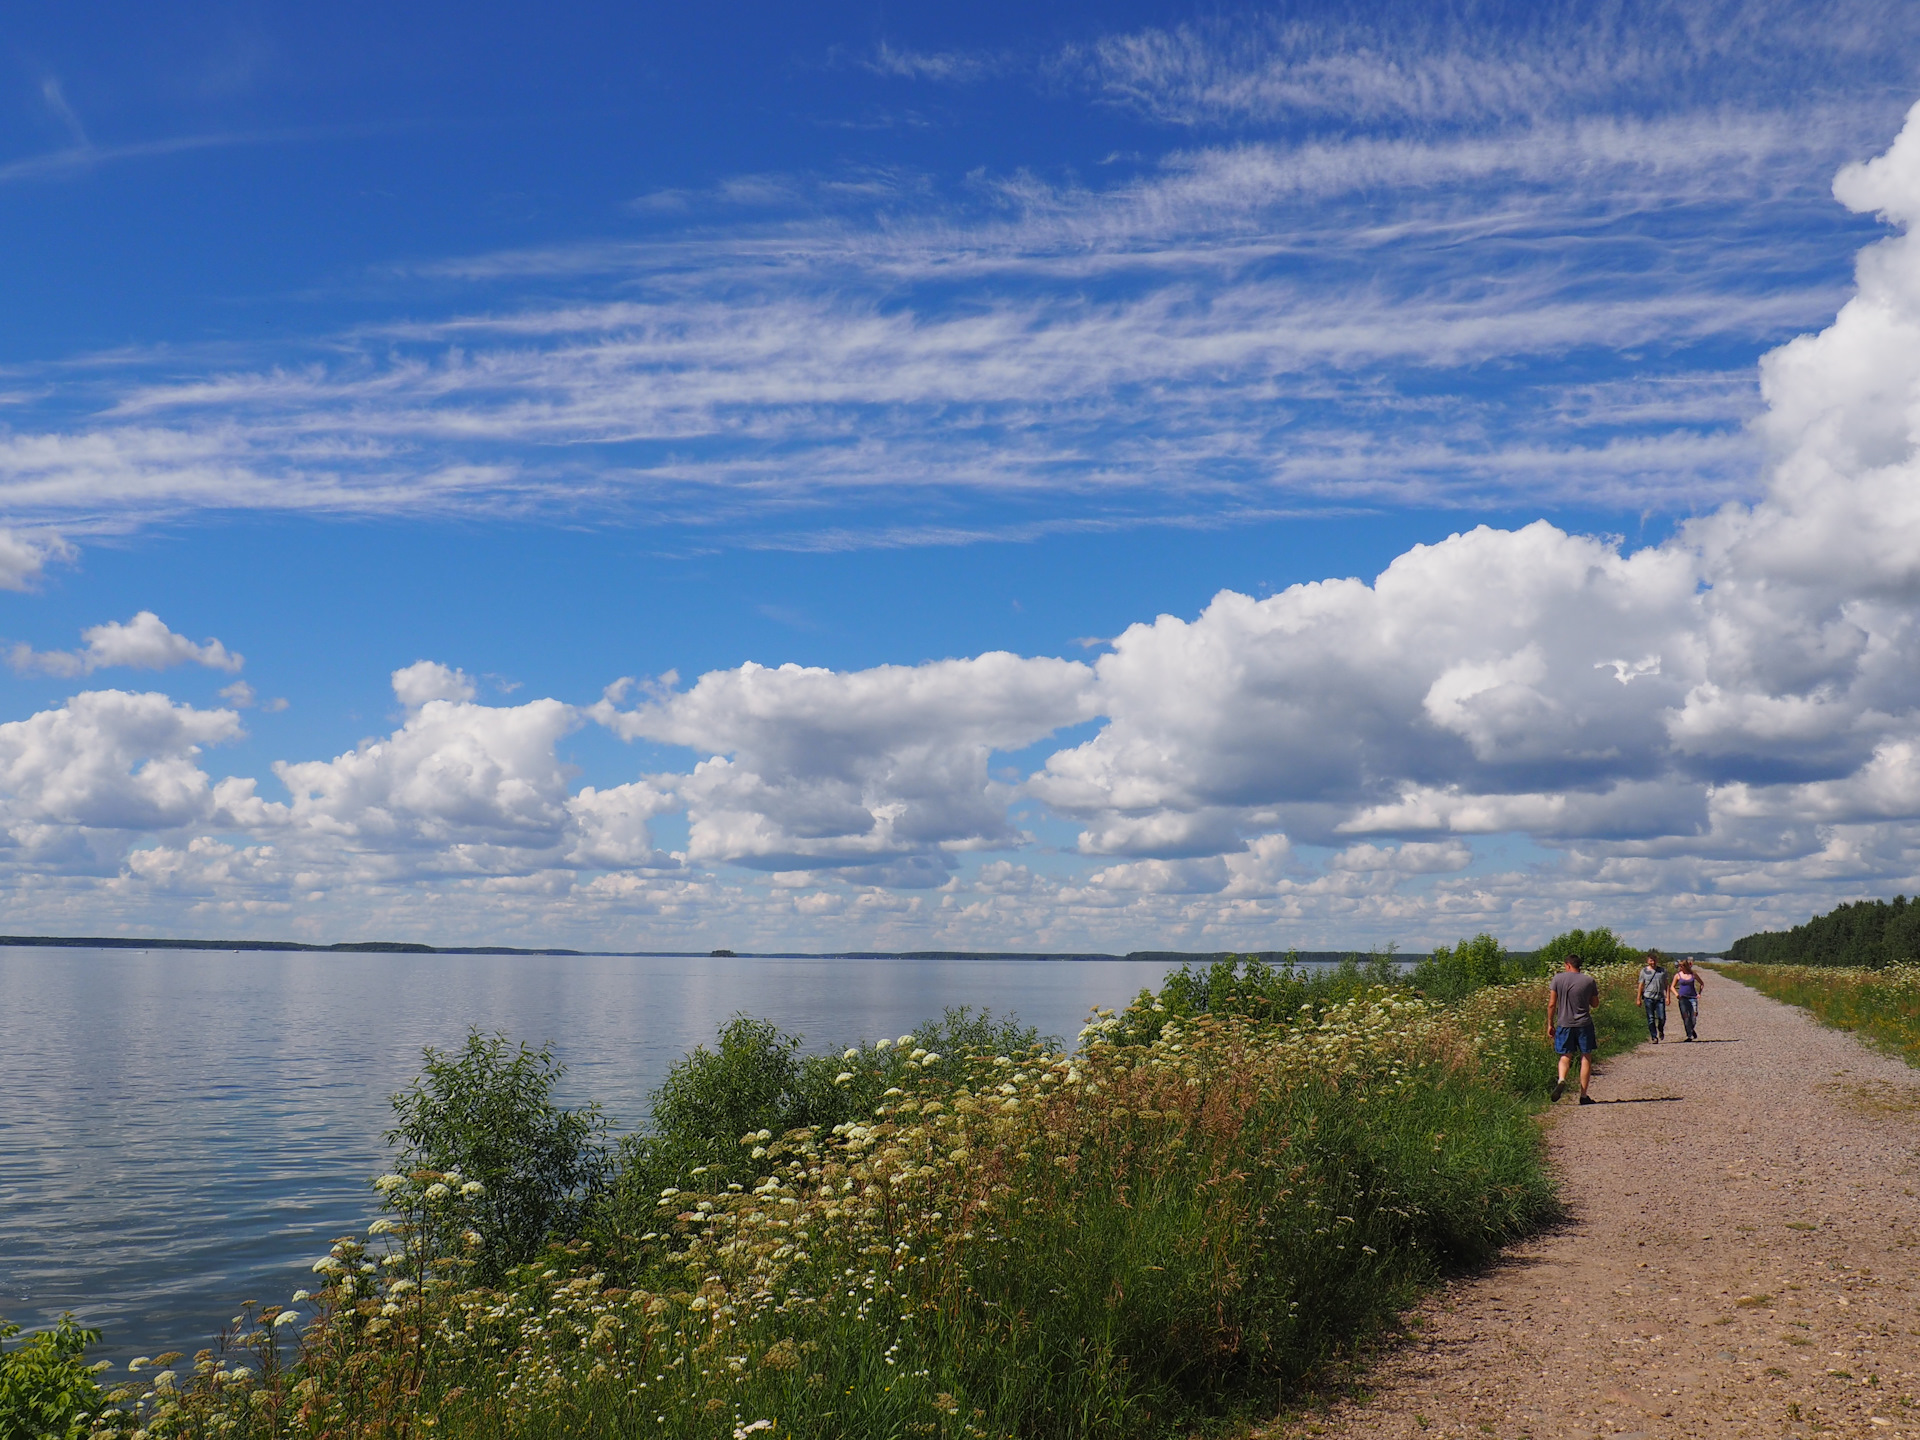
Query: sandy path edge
(1740,1257)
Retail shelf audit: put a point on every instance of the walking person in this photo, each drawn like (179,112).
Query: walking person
(1653,997)
(1571,996)
(1687,988)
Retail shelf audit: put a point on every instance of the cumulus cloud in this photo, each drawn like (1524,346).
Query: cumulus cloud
(428,680)
(1686,731)
(107,761)
(142,643)
(1766,659)
(809,767)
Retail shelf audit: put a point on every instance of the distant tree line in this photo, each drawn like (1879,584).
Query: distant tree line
(1868,933)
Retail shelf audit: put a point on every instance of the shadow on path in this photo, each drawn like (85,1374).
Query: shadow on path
(1642,1100)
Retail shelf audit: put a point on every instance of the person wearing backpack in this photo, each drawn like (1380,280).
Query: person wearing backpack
(1686,989)
(1653,997)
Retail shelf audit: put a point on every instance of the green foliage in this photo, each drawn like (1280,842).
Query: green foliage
(1249,987)
(1513,1026)
(755,1079)
(1451,974)
(1597,947)
(1133,1240)
(960,1233)
(1868,934)
(488,1112)
(46,1387)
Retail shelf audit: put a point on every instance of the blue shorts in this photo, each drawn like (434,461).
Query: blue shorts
(1569,1039)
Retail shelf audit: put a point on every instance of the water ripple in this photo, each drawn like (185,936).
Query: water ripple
(184,1130)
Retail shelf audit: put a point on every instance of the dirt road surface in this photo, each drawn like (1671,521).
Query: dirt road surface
(1740,1257)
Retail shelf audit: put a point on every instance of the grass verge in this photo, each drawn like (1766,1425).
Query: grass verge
(1188,1218)
(1882,1007)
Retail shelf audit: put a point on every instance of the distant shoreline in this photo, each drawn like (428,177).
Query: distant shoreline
(403,947)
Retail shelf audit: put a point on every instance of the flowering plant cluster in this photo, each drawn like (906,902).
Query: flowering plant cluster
(1211,1196)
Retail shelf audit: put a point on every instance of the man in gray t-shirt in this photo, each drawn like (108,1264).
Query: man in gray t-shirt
(1571,996)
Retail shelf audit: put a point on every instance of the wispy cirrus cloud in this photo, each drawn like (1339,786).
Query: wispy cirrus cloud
(1258,325)
(1439,64)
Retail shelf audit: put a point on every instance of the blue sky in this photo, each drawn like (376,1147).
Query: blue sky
(450,368)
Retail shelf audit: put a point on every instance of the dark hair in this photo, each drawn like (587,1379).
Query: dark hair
(1575,961)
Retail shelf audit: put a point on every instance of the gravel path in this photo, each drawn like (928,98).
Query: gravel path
(1740,1257)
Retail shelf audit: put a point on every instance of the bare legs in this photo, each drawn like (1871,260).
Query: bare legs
(1586,1070)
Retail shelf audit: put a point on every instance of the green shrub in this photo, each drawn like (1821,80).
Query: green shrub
(1598,947)
(488,1113)
(47,1390)
(1450,974)
(1249,987)
(757,1078)
(1131,1240)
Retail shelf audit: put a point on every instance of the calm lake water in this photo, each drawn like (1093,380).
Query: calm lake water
(184,1130)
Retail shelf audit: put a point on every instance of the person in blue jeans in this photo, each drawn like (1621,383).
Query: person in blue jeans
(1687,988)
(1653,997)
(1571,996)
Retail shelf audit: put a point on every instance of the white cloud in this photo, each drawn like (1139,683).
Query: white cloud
(428,680)
(142,643)
(25,554)
(1413,858)
(456,780)
(1266,310)
(1439,67)
(889,766)
(109,760)
(1696,734)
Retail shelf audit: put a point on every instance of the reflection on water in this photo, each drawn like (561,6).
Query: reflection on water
(184,1130)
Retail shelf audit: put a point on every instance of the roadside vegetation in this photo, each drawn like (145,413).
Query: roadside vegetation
(967,1231)
(1881,1006)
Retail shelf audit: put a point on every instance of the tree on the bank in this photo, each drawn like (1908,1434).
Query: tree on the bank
(1871,934)
(488,1111)
(1453,972)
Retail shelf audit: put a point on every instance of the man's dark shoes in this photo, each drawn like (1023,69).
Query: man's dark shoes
(1588,1100)
(1559,1089)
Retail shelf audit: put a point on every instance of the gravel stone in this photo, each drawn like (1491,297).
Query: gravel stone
(1739,1257)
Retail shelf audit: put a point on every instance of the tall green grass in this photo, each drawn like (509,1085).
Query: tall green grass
(1882,1006)
(1218,1191)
